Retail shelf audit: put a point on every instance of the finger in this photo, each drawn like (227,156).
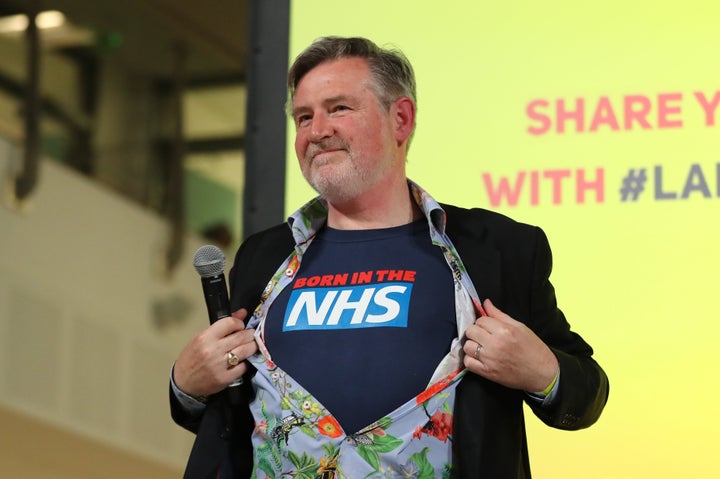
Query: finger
(477,333)
(488,325)
(472,349)
(476,366)
(237,339)
(226,326)
(244,351)
(495,319)
(240,314)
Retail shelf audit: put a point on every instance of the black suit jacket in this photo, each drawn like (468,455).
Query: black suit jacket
(510,263)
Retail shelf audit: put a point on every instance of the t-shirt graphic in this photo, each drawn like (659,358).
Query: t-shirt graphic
(365,299)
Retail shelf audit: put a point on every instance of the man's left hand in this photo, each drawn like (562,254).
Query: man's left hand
(505,351)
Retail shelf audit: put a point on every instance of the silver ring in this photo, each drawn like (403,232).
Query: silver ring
(232,359)
(477,352)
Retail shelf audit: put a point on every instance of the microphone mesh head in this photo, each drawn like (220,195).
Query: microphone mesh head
(209,261)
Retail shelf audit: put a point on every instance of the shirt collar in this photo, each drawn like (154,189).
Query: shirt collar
(307,221)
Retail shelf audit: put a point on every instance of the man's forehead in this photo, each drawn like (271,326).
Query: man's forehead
(350,70)
(332,81)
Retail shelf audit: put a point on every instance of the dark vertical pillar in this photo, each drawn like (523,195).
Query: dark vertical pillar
(27,177)
(264,194)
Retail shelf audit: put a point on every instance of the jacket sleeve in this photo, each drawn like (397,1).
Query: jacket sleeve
(181,416)
(583,386)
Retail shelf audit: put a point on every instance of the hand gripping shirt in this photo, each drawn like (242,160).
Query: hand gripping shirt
(295,436)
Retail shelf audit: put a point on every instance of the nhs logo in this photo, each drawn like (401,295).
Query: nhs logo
(362,306)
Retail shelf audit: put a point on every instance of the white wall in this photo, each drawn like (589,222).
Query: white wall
(80,272)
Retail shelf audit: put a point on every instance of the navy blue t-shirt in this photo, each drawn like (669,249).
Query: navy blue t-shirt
(367,319)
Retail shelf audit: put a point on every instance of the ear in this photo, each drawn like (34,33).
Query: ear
(403,114)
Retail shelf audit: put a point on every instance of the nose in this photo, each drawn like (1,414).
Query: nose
(321,127)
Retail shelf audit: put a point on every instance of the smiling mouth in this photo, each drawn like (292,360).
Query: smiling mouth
(325,155)
(325,149)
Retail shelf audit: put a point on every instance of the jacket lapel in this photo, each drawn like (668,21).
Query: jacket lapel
(475,246)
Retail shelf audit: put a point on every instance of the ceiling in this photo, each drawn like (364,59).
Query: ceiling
(213,34)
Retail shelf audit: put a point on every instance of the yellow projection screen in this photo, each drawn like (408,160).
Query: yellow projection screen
(601,124)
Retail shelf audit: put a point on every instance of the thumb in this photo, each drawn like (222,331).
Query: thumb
(492,310)
(240,313)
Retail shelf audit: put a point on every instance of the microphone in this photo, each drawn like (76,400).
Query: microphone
(209,262)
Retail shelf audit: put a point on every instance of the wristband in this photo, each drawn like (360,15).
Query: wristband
(548,389)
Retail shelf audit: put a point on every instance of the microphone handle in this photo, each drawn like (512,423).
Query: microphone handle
(216,297)
(218,306)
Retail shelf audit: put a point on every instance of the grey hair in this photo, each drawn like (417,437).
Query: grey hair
(391,72)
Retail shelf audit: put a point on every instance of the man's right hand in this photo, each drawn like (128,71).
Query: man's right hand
(202,368)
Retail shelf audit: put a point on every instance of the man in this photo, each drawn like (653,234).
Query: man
(389,335)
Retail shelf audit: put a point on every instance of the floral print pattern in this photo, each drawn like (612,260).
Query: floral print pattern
(295,436)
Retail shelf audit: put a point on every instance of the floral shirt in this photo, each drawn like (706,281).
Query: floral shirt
(295,436)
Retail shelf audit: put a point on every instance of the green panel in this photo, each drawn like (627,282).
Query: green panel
(210,204)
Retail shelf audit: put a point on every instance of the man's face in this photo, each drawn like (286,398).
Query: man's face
(344,139)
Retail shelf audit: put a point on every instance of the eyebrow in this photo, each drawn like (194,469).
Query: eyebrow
(326,101)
